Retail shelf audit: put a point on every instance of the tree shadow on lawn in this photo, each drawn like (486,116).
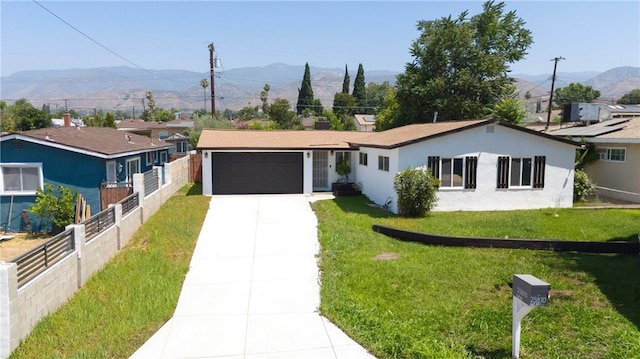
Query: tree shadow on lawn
(195,190)
(359,204)
(615,276)
(631,238)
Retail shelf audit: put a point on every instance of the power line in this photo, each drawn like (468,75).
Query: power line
(97,42)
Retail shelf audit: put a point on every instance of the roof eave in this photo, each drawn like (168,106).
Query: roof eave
(82,150)
(308,148)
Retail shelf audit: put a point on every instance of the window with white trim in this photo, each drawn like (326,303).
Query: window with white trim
(383,163)
(133,167)
(111,171)
(163,157)
(454,172)
(521,172)
(20,178)
(612,154)
(149,158)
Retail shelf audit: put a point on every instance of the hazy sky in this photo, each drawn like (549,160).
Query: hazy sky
(158,35)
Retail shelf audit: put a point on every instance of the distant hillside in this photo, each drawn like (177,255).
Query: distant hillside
(123,88)
(616,82)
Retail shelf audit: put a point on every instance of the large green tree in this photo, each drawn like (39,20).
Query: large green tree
(280,113)
(109,120)
(26,117)
(575,92)
(344,106)
(346,80)
(316,107)
(6,118)
(630,98)
(460,65)
(164,115)
(248,113)
(305,93)
(388,111)
(509,110)
(376,95)
(359,91)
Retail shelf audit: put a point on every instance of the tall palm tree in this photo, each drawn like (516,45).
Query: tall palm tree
(204,83)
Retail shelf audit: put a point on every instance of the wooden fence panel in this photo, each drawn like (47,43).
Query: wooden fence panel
(113,194)
(195,167)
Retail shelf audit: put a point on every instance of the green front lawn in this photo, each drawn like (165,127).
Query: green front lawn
(125,303)
(445,302)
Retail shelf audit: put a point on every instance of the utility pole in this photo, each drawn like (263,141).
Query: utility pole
(213,99)
(553,82)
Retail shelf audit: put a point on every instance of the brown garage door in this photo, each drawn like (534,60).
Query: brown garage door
(256,173)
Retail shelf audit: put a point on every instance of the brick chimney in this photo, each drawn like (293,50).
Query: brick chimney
(67,119)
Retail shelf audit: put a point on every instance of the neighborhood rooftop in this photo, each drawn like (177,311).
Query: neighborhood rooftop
(621,128)
(99,140)
(141,124)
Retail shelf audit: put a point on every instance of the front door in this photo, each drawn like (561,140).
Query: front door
(320,170)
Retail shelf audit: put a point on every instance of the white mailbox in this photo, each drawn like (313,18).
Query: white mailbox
(528,292)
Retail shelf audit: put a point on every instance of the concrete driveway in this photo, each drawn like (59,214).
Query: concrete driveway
(252,290)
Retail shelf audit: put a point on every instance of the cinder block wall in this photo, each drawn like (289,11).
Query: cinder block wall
(22,308)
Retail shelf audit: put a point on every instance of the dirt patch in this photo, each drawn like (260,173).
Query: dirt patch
(386,257)
(560,294)
(19,244)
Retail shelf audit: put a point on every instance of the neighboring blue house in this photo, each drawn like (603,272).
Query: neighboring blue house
(77,157)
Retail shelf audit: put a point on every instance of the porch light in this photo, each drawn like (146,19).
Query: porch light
(308,154)
(206,155)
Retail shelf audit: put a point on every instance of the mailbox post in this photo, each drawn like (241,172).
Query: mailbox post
(528,292)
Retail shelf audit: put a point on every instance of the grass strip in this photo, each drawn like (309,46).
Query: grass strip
(126,302)
(408,300)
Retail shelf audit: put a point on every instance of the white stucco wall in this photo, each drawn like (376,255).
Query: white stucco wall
(377,185)
(557,191)
(307,172)
(207,179)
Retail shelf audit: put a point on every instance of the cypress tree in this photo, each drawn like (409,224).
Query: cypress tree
(358,88)
(345,82)
(305,93)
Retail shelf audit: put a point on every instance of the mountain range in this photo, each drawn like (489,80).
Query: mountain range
(123,88)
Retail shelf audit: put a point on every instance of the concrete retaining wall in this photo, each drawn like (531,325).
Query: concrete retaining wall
(22,308)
